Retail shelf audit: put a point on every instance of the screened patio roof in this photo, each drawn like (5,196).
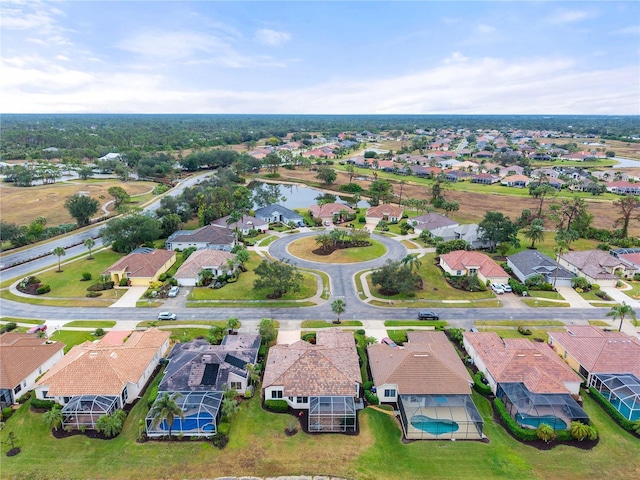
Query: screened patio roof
(625,387)
(96,404)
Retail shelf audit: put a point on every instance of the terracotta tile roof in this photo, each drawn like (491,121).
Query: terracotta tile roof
(427,365)
(115,337)
(102,368)
(520,360)
(200,259)
(21,354)
(463,260)
(328,368)
(329,209)
(142,264)
(599,351)
(381,211)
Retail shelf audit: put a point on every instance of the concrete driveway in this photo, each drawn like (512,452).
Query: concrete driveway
(130,298)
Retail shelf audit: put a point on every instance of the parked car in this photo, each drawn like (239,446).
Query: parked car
(427,315)
(506,288)
(166,316)
(173,291)
(497,288)
(388,341)
(37,328)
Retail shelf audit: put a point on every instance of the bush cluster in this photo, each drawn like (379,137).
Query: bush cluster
(611,410)
(24,398)
(43,404)
(224,428)
(8,327)
(523,331)
(41,290)
(479,386)
(220,440)
(6,413)
(100,286)
(153,395)
(278,406)
(371,397)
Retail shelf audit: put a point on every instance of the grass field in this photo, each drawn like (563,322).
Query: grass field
(71,338)
(91,323)
(303,248)
(325,324)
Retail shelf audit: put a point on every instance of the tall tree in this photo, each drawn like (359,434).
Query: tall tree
(90,243)
(626,206)
(560,249)
(82,208)
(166,409)
(535,232)
(59,252)
(120,196)
(497,228)
(622,311)
(53,417)
(380,191)
(338,306)
(128,233)
(267,330)
(279,276)
(326,175)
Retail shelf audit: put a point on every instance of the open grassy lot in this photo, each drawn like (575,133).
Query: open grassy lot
(258,446)
(303,248)
(22,205)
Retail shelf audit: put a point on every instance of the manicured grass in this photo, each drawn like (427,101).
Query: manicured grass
(260,304)
(513,333)
(545,294)
(91,323)
(149,303)
(71,338)
(179,323)
(267,241)
(518,323)
(325,324)
(548,244)
(544,303)
(435,304)
(410,244)
(242,289)
(71,302)
(184,335)
(303,247)
(21,320)
(415,323)
(599,323)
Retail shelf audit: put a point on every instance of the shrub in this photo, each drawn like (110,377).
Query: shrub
(611,410)
(123,282)
(9,327)
(153,395)
(595,286)
(523,331)
(362,219)
(479,386)
(368,385)
(524,434)
(278,406)
(43,289)
(580,282)
(6,413)
(220,440)
(24,398)
(162,277)
(86,276)
(360,331)
(100,286)
(99,332)
(224,428)
(93,294)
(371,397)
(42,404)
(309,337)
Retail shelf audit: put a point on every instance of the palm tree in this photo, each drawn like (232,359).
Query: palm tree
(60,252)
(111,425)
(53,417)
(233,323)
(338,307)
(166,409)
(560,249)
(254,373)
(89,243)
(324,240)
(621,311)
(546,432)
(579,430)
(535,232)
(635,426)
(412,261)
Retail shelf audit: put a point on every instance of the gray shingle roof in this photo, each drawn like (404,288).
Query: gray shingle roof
(532,262)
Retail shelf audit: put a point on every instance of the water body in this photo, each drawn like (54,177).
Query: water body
(296,196)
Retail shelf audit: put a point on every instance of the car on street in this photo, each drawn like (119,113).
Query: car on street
(427,315)
(173,291)
(497,288)
(166,316)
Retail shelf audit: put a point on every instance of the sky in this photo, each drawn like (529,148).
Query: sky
(320,57)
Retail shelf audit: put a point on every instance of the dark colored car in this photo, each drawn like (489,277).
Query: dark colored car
(426,315)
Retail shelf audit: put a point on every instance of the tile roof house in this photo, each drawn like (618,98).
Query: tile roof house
(623,187)
(278,213)
(387,212)
(197,376)
(485,178)
(244,225)
(116,374)
(328,210)
(597,266)
(462,262)
(532,381)
(316,377)
(527,263)
(142,266)
(610,361)
(210,236)
(23,358)
(217,261)
(519,181)
(426,378)
(430,222)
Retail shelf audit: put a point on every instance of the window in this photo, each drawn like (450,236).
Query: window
(236,385)
(17,389)
(458,273)
(276,393)
(45,394)
(473,271)
(302,399)
(390,392)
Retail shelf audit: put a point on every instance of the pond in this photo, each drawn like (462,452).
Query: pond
(296,196)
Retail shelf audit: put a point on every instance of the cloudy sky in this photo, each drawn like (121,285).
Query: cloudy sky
(377,57)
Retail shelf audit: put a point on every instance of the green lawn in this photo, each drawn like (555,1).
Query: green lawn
(33,321)
(71,338)
(544,303)
(415,323)
(180,323)
(325,324)
(91,323)
(518,323)
(545,294)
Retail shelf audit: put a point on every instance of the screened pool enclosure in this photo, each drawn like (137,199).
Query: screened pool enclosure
(201,412)
(332,414)
(437,417)
(622,390)
(85,410)
(530,409)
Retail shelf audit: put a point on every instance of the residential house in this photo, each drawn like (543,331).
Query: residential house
(210,236)
(610,361)
(534,384)
(277,213)
(429,383)
(597,266)
(518,181)
(23,358)
(197,376)
(528,263)
(430,222)
(244,225)
(96,379)
(386,212)
(142,266)
(462,262)
(457,175)
(331,211)
(484,154)
(218,261)
(485,178)
(425,172)
(469,232)
(323,379)
(623,187)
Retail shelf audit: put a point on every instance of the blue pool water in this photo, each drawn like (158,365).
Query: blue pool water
(204,422)
(534,422)
(433,425)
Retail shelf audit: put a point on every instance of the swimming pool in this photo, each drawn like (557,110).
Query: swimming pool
(433,426)
(202,421)
(534,422)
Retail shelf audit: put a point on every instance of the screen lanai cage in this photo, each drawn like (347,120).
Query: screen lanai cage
(437,417)
(201,413)
(622,390)
(332,414)
(85,410)
(530,409)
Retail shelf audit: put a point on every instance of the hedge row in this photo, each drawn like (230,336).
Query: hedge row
(611,410)
(481,387)
(524,434)
(278,406)
(42,404)
(372,398)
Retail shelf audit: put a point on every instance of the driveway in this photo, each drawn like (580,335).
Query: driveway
(130,298)
(573,297)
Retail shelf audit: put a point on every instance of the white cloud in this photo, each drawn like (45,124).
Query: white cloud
(562,17)
(63,58)
(630,30)
(272,38)
(485,29)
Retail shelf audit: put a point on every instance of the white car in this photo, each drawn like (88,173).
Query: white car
(506,288)
(166,316)
(497,288)
(173,291)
